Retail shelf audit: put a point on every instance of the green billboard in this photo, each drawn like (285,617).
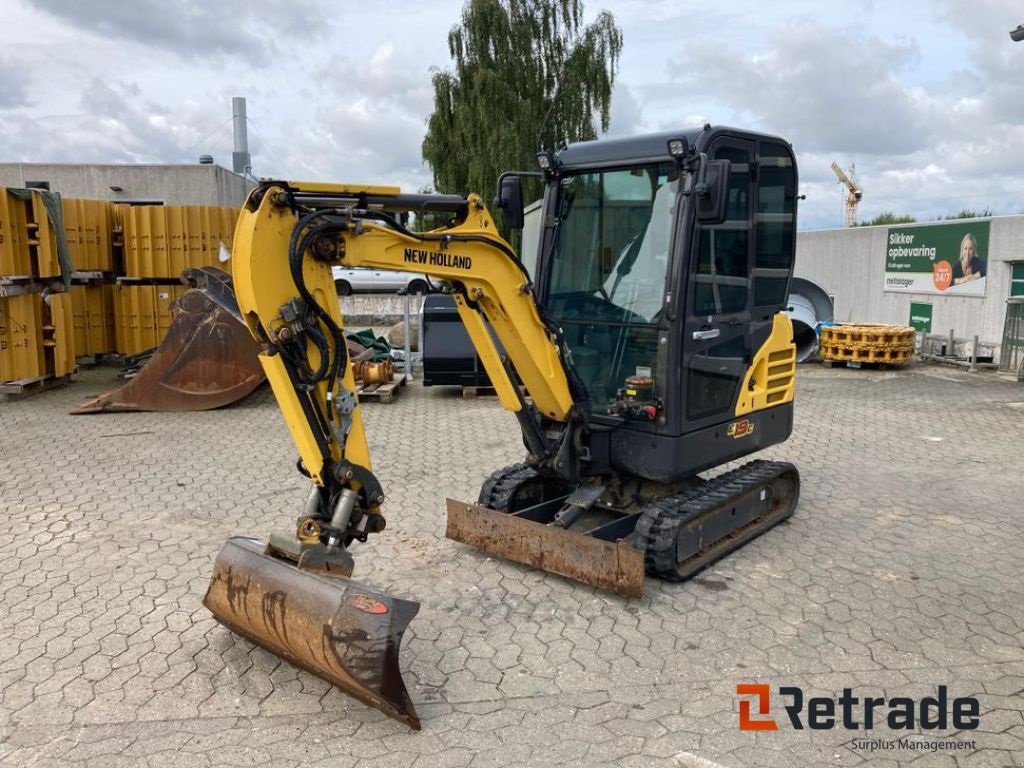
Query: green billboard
(943,259)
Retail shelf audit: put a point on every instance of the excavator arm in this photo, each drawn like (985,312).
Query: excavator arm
(293,595)
(288,237)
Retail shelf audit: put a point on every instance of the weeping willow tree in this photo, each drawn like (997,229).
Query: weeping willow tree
(527,74)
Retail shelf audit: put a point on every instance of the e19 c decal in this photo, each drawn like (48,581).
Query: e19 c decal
(740,428)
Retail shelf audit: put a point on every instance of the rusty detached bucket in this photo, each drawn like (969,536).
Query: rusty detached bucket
(208,359)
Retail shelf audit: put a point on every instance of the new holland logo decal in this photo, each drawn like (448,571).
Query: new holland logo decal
(741,428)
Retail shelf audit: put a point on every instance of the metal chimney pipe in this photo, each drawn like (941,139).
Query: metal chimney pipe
(240,159)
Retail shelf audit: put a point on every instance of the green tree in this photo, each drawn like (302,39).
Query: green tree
(527,75)
(970,213)
(889,217)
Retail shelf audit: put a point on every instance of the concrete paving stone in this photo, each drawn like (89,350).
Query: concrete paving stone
(647,761)
(935,760)
(893,577)
(162,759)
(988,758)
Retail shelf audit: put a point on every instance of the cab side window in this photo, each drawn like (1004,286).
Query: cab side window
(723,262)
(775,220)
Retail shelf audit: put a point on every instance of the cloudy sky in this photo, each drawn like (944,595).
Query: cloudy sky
(925,97)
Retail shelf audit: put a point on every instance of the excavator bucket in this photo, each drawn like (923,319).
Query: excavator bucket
(339,630)
(208,359)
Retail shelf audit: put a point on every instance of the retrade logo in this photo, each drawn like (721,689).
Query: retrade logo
(849,712)
(760,691)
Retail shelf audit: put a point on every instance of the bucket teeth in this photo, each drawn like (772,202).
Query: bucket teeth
(339,630)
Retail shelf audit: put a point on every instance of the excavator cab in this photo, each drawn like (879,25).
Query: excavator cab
(645,327)
(664,261)
(644,284)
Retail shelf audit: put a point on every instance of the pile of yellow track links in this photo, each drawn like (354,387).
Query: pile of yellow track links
(877,343)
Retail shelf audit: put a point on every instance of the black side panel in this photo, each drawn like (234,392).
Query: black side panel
(449,357)
(670,459)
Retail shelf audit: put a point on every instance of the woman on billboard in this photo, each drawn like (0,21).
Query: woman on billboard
(970,266)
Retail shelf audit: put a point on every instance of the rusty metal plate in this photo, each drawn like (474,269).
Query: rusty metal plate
(342,631)
(208,359)
(614,566)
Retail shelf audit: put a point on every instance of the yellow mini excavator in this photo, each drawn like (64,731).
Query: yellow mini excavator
(645,323)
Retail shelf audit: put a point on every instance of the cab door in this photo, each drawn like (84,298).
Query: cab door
(716,338)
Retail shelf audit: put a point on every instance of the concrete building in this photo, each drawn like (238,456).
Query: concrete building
(198,184)
(859,268)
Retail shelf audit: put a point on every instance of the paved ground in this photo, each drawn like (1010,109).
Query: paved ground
(900,571)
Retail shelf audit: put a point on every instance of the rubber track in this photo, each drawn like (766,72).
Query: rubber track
(498,489)
(660,521)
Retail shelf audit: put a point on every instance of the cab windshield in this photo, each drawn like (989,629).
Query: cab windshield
(608,267)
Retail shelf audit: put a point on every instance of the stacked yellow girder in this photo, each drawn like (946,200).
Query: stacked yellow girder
(36,325)
(89,231)
(160,242)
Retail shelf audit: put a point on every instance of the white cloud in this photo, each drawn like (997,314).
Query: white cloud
(13,85)
(251,29)
(337,91)
(823,88)
(626,112)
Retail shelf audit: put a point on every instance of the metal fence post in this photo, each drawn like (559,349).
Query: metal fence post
(408,342)
(419,345)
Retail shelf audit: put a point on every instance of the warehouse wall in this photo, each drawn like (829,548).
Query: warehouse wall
(169,184)
(850,265)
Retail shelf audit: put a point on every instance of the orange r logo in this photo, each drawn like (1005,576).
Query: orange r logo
(761,691)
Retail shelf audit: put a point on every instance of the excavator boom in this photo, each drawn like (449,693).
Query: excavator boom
(293,595)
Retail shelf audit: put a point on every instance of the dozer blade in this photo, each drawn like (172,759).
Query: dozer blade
(208,359)
(611,565)
(339,630)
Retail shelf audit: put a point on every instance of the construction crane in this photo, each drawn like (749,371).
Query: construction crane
(853,193)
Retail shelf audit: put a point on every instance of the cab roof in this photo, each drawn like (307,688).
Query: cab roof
(652,146)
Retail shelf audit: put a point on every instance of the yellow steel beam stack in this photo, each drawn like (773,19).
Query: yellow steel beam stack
(59,335)
(143,315)
(28,238)
(36,320)
(14,253)
(89,229)
(36,339)
(42,238)
(160,242)
(872,343)
(125,274)
(93,312)
(21,335)
(90,232)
